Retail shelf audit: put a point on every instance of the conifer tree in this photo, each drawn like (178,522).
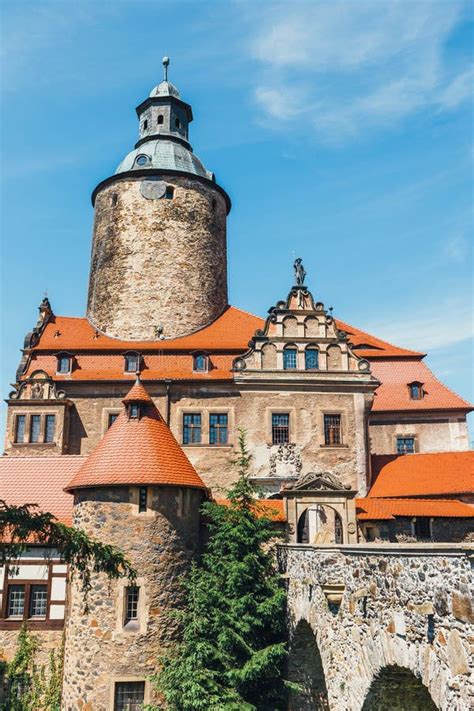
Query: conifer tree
(232,654)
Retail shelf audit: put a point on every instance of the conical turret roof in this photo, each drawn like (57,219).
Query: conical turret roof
(137,450)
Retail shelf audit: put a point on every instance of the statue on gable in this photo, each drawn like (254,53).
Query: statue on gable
(300,272)
(37,391)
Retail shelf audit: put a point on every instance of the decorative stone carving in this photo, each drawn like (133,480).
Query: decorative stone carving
(318,481)
(300,272)
(39,386)
(286,456)
(32,337)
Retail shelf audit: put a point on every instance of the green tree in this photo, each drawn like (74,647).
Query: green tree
(232,653)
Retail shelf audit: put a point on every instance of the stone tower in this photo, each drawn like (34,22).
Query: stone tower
(159,255)
(136,490)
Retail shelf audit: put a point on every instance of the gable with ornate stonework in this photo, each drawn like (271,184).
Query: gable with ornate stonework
(318,481)
(39,386)
(300,335)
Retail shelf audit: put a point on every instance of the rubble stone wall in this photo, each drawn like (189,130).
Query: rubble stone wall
(403,606)
(157,263)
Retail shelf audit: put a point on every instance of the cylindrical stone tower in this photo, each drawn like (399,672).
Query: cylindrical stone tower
(137,490)
(159,255)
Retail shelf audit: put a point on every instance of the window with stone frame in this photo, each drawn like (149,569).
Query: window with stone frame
(192,428)
(332,430)
(405,445)
(112,416)
(20,428)
(132,597)
(280,428)
(49,428)
(200,363)
(311,358)
(218,428)
(35,429)
(129,695)
(290,358)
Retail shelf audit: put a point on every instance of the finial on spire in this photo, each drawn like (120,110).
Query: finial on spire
(166,63)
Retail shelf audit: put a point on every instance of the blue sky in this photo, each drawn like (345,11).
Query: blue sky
(341,130)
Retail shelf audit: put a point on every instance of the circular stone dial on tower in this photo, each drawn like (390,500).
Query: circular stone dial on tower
(159,264)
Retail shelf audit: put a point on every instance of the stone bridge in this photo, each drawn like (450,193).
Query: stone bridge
(380,626)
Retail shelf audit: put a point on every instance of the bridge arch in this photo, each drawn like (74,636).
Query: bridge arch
(399,689)
(305,668)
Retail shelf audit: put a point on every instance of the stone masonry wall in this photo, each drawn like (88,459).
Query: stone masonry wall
(402,606)
(100,650)
(157,263)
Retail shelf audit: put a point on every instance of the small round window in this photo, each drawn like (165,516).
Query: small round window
(143,159)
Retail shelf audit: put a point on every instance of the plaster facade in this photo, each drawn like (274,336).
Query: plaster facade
(433,433)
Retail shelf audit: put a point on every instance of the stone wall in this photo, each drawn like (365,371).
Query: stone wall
(402,606)
(157,263)
(432,434)
(160,542)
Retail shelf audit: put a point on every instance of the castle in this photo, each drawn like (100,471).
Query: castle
(123,421)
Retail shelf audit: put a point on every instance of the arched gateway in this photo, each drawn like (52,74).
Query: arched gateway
(398,689)
(305,668)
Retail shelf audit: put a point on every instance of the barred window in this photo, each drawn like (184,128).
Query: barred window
(132,594)
(64,364)
(290,356)
(218,429)
(405,445)
(280,428)
(129,695)
(35,425)
(142,499)
(38,600)
(16,601)
(191,429)
(49,427)
(332,429)
(311,359)
(20,426)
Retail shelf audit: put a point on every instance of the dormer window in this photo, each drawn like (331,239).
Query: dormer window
(64,364)
(200,363)
(134,411)
(160,119)
(132,363)
(290,358)
(416,391)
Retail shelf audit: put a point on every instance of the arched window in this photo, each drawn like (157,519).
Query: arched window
(145,125)
(200,363)
(290,358)
(311,358)
(64,364)
(132,363)
(338,529)
(160,119)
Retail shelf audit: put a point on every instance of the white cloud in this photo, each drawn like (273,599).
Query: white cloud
(348,66)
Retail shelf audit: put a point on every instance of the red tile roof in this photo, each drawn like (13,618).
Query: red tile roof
(393,393)
(385,509)
(40,480)
(431,474)
(376,347)
(137,451)
(271,508)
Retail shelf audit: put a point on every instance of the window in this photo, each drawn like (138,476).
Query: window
(422,528)
(169,192)
(64,364)
(280,428)
(112,417)
(114,199)
(416,391)
(129,695)
(290,356)
(405,445)
(143,159)
(177,123)
(218,429)
(16,601)
(160,119)
(132,594)
(35,426)
(132,363)
(200,363)
(142,499)
(145,125)
(38,600)
(332,430)
(311,359)
(49,427)
(20,426)
(192,429)
(134,411)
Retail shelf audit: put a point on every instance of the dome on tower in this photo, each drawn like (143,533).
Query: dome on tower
(165,88)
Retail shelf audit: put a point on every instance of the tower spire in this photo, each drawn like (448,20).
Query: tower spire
(166,63)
